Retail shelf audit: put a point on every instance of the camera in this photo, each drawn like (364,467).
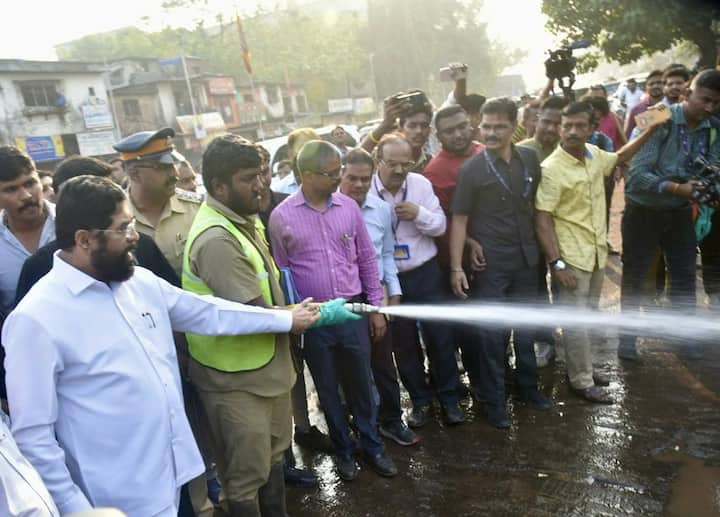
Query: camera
(561,65)
(708,176)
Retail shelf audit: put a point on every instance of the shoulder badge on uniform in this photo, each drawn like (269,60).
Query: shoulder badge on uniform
(186,195)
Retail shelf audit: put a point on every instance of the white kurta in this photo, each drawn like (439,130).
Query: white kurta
(94,386)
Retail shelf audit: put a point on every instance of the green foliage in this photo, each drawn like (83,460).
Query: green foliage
(411,39)
(626,31)
(408,39)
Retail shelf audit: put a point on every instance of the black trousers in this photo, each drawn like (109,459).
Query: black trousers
(643,231)
(710,252)
(494,285)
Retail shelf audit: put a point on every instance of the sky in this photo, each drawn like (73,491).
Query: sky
(65,20)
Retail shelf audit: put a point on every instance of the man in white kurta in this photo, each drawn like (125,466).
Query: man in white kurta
(93,380)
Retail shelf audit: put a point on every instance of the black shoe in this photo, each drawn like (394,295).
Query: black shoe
(419,416)
(315,440)
(453,413)
(300,477)
(346,468)
(535,399)
(399,433)
(595,394)
(382,464)
(601,379)
(498,417)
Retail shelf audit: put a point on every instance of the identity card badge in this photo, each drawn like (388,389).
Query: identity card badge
(401,252)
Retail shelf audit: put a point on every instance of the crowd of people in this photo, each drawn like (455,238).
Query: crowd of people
(156,333)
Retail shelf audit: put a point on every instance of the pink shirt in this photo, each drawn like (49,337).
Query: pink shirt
(328,251)
(419,235)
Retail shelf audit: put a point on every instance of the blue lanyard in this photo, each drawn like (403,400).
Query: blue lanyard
(395,221)
(527,178)
(685,141)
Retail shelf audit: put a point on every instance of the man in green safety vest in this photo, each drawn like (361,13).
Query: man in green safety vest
(244,382)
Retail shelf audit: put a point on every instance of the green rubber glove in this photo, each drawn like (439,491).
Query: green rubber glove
(333,312)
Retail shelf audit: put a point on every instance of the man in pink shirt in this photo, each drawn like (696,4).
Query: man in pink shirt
(320,235)
(417,219)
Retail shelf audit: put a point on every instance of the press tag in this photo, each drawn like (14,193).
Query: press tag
(401,252)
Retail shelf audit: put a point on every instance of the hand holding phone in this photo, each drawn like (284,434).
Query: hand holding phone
(453,72)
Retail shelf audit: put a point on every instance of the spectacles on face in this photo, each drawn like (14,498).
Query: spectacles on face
(405,166)
(333,174)
(129,231)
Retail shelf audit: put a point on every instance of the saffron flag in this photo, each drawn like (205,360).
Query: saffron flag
(244,46)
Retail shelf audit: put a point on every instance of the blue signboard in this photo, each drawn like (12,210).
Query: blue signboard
(42,148)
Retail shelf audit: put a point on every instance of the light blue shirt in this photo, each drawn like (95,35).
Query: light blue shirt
(93,380)
(287,185)
(378,221)
(13,255)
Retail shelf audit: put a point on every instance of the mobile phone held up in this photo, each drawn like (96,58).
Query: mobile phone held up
(453,73)
(415,100)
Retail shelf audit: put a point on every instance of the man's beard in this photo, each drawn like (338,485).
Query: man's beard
(113,268)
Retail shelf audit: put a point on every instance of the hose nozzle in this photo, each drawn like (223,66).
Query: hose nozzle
(361,308)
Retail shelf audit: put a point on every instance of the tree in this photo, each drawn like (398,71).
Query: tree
(626,31)
(411,39)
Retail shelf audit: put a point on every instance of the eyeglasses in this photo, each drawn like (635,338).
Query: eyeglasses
(333,174)
(405,166)
(128,232)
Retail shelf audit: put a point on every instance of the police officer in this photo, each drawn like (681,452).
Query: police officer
(162,212)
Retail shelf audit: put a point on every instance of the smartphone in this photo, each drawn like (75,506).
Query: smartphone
(415,99)
(655,114)
(450,74)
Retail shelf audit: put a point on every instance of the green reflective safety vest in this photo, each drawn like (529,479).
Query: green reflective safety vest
(229,353)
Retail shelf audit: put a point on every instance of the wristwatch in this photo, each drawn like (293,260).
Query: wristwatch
(557,265)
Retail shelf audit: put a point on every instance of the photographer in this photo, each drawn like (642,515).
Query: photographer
(411,113)
(658,193)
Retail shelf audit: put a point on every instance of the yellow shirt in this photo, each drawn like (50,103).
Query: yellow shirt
(171,231)
(574,193)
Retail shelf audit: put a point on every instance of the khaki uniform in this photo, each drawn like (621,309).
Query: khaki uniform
(172,229)
(249,411)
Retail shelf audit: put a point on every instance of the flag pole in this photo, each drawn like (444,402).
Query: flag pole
(248,68)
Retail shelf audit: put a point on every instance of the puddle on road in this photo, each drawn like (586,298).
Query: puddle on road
(695,489)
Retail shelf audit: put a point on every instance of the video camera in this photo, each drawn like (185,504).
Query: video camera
(561,65)
(708,176)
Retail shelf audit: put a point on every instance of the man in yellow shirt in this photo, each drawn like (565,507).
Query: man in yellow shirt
(572,228)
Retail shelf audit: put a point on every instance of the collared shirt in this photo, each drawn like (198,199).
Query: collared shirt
(442,172)
(639,108)
(328,251)
(500,206)
(171,231)
(630,98)
(220,261)
(13,255)
(663,157)
(103,420)
(574,193)
(378,221)
(287,185)
(22,492)
(419,234)
(534,144)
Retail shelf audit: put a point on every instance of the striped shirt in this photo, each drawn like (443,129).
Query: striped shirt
(328,251)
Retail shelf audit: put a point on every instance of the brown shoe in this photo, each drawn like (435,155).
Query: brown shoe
(595,394)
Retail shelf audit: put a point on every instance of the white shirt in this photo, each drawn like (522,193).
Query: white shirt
(631,99)
(419,234)
(13,255)
(22,492)
(95,366)
(287,185)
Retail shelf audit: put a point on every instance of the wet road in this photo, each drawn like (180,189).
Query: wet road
(655,452)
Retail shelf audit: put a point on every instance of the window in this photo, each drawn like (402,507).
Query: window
(131,107)
(272,94)
(248,97)
(91,91)
(41,94)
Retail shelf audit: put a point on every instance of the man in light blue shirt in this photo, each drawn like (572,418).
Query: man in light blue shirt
(27,222)
(358,167)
